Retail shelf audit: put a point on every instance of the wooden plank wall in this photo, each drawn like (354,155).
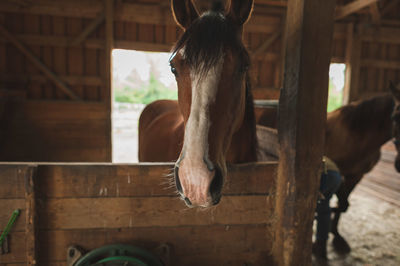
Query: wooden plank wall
(38,121)
(48,29)
(95,205)
(379,61)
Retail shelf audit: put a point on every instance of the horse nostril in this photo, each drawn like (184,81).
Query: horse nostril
(177,182)
(187,201)
(216,186)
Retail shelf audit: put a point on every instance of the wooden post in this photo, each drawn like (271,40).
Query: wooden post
(348,57)
(107,94)
(30,217)
(302,117)
(353,63)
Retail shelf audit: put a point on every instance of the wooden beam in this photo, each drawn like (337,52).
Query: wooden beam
(345,10)
(383,34)
(59,41)
(72,80)
(348,61)
(140,13)
(70,8)
(376,63)
(107,94)
(33,59)
(267,43)
(375,13)
(88,30)
(56,41)
(143,46)
(280,3)
(31,226)
(301,126)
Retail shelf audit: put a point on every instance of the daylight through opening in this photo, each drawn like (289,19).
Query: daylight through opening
(138,79)
(336,86)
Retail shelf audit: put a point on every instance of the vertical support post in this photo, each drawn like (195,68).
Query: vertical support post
(353,91)
(302,118)
(348,57)
(108,95)
(29,174)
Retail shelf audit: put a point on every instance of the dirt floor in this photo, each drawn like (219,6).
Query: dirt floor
(372,228)
(371,225)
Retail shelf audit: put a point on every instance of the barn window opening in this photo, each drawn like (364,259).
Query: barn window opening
(139,78)
(336,85)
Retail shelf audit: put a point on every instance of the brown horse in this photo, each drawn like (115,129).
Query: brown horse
(213,121)
(354,136)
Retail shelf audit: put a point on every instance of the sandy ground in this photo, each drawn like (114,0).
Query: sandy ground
(371,226)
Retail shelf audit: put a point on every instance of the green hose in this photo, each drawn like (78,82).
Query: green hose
(11,222)
(119,254)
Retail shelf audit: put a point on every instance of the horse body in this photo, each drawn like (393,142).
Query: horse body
(356,132)
(161,130)
(354,136)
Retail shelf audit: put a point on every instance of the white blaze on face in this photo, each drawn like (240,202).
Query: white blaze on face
(194,174)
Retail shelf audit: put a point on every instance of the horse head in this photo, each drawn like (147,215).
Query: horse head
(210,64)
(395,90)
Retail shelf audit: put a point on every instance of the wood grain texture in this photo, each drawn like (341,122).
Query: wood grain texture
(144,180)
(54,131)
(31,216)
(302,116)
(200,245)
(83,213)
(99,204)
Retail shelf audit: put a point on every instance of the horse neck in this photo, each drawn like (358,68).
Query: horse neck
(244,141)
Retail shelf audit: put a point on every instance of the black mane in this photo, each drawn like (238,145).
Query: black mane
(208,37)
(363,115)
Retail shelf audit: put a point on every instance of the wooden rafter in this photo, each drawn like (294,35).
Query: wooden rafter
(268,42)
(344,11)
(375,13)
(42,67)
(132,12)
(89,29)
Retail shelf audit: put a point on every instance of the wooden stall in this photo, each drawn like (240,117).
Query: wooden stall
(96,204)
(55,105)
(55,74)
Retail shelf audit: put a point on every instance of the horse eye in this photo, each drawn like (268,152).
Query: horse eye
(174,71)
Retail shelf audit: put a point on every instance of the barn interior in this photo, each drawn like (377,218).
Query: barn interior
(56,105)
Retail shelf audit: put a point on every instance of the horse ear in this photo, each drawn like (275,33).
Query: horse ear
(240,11)
(395,91)
(184,12)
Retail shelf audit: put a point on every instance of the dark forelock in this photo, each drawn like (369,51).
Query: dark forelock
(208,37)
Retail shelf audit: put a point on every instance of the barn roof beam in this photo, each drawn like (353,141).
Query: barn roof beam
(348,9)
(267,43)
(375,13)
(39,64)
(89,29)
(139,13)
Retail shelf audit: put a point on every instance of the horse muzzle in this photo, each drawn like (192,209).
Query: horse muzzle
(197,185)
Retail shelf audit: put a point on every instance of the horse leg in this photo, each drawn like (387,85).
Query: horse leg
(339,243)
